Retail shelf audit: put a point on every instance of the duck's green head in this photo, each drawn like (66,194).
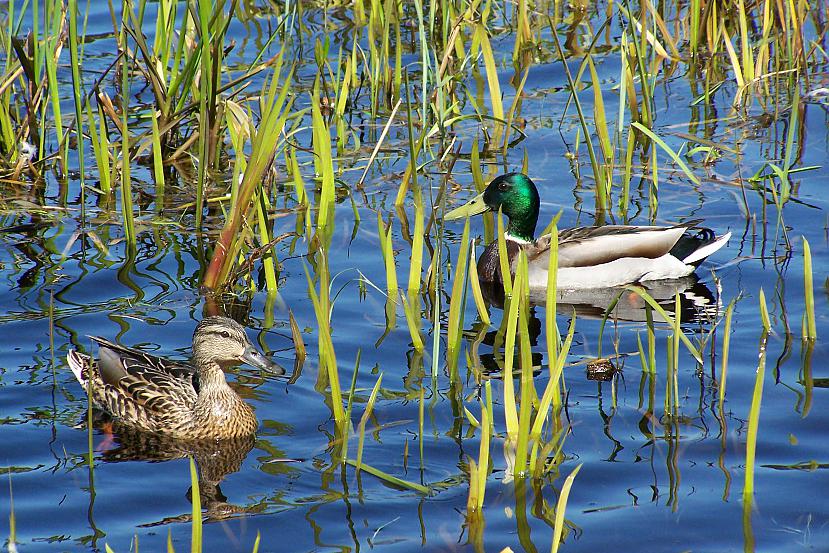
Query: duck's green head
(517,198)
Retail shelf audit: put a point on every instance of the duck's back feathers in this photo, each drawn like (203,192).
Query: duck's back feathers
(593,246)
(120,361)
(136,386)
(612,255)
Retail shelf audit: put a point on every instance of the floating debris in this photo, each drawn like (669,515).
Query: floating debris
(601,369)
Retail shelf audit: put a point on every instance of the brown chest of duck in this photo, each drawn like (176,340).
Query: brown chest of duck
(588,257)
(182,400)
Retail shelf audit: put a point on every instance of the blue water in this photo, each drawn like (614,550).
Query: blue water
(646,482)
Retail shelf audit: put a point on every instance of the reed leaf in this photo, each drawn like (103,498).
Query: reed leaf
(477,294)
(491,73)
(674,156)
(413,318)
(638,290)
(328,358)
(126,181)
(195,500)
(296,335)
(754,421)
(388,256)
(561,507)
(726,345)
(274,109)
(364,420)
(810,328)
(503,259)
(393,480)
(510,408)
(458,297)
(416,258)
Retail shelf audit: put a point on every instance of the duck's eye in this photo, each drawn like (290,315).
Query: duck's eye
(225,334)
(502,186)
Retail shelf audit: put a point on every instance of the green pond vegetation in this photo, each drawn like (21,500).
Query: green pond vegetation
(172,130)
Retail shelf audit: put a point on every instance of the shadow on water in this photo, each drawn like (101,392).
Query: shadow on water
(215,460)
(698,304)
(699,310)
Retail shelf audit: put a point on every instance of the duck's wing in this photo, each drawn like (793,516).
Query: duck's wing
(135,386)
(117,361)
(591,246)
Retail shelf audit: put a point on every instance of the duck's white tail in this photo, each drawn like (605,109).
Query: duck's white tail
(706,250)
(77,361)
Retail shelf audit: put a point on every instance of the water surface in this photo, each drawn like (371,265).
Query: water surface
(647,482)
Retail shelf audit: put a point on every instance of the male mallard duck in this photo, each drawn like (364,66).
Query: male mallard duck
(176,399)
(588,257)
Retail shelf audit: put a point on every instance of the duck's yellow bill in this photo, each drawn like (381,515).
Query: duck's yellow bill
(473,207)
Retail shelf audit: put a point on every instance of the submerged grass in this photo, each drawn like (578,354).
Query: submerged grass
(754,412)
(809,324)
(561,505)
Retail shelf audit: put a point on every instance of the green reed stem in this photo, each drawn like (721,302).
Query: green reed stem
(416,258)
(195,499)
(421,418)
(810,328)
(561,507)
(413,318)
(477,485)
(457,304)
(364,420)
(726,344)
(503,258)
(764,312)
(754,421)
(387,250)
(551,328)
(126,182)
(328,358)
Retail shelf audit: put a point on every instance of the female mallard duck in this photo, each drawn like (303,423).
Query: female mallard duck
(588,257)
(172,398)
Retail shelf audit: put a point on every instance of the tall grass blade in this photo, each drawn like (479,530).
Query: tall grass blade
(387,250)
(196,530)
(503,258)
(491,73)
(764,312)
(74,40)
(328,358)
(754,422)
(296,334)
(478,472)
(413,318)
(561,507)
(638,290)
(458,304)
(126,181)
(364,420)
(667,149)
(12,543)
(393,480)
(274,109)
(726,345)
(477,293)
(810,328)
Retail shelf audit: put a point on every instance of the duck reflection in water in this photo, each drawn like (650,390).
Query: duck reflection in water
(697,306)
(214,459)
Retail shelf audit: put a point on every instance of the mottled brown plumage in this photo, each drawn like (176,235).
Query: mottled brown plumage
(176,399)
